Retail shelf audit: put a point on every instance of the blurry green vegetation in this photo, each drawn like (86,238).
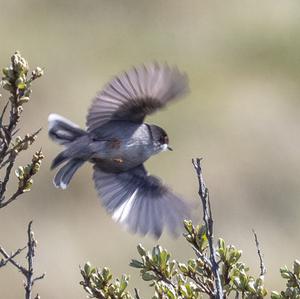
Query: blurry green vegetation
(17,80)
(192,279)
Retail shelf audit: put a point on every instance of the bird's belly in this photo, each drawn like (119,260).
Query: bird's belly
(120,156)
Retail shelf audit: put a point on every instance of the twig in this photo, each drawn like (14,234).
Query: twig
(25,179)
(8,258)
(15,80)
(12,159)
(12,261)
(13,120)
(28,271)
(162,277)
(38,278)
(137,296)
(201,256)
(208,220)
(27,138)
(30,279)
(19,94)
(30,255)
(3,112)
(201,284)
(12,198)
(263,269)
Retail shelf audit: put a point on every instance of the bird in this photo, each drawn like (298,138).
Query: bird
(117,142)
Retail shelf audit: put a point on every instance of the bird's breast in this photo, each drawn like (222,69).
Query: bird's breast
(120,155)
(121,146)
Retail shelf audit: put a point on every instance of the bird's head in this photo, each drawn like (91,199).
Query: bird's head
(160,139)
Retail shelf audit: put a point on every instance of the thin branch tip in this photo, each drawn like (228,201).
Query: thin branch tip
(137,296)
(263,269)
(208,221)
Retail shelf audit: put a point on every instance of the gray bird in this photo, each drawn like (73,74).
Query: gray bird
(117,142)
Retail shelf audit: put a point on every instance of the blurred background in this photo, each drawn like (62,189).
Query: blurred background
(241,116)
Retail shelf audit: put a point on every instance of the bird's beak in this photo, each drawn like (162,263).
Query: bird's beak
(169,148)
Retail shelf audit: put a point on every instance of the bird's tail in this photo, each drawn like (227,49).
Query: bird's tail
(65,173)
(62,130)
(66,133)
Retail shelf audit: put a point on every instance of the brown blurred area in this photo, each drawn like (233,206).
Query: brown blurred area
(241,116)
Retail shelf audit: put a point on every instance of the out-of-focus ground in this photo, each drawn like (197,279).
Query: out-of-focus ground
(242,115)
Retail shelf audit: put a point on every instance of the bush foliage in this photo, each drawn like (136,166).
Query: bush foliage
(192,279)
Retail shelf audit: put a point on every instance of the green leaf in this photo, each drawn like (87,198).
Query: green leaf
(188,225)
(164,258)
(275,295)
(23,100)
(156,254)
(19,172)
(285,273)
(123,283)
(136,264)
(148,276)
(183,268)
(141,250)
(28,185)
(221,243)
(87,268)
(21,85)
(6,85)
(296,268)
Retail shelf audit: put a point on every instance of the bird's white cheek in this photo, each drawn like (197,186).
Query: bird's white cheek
(164,147)
(158,148)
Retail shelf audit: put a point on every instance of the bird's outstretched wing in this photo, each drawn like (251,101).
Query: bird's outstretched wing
(136,93)
(140,202)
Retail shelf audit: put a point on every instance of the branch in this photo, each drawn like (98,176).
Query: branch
(137,296)
(17,81)
(10,259)
(31,244)
(24,175)
(201,256)
(21,144)
(28,271)
(162,277)
(12,198)
(208,220)
(12,159)
(39,277)
(263,269)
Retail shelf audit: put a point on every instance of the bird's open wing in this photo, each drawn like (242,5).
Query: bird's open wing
(140,202)
(136,93)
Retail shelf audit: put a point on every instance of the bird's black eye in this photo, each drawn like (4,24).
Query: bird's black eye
(164,139)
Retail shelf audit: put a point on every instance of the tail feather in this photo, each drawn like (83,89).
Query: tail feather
(59,159)
(65,132)
(65,174)
(62,130)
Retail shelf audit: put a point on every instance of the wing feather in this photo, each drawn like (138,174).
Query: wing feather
(140,202)
(136,93)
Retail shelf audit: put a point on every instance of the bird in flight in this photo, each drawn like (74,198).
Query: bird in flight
(117,142)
